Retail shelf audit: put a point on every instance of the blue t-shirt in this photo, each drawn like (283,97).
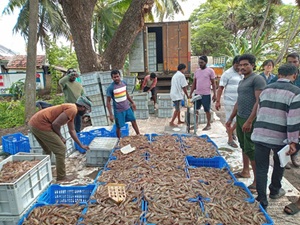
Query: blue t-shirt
(118,94)
(296,82)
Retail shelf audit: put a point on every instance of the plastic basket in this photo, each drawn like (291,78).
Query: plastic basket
(85,138)
(124,131)
(100,132)
(57,194)
(14,143)
(215,162)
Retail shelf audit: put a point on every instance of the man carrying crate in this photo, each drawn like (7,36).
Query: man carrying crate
(45,126)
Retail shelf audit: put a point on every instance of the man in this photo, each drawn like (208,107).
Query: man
(42,105)
(293,58)
(276,123)
(245,109)
(204,77)
(122,110)
(149,84)
(45,126)
(229,81)
(72,91)
(178,84)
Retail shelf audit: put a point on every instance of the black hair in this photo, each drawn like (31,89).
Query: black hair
(287,69)
(113,72)
(71,70)
(266,62)
(181,66)
(235,59)
(293,55)
(152,75)
(204,58)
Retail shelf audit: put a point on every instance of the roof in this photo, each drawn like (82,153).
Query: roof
(19,61)
(5,58)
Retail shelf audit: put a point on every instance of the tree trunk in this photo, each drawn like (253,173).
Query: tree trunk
(79,17)
(263,23)
(132,23)
(30,84)
(288,40)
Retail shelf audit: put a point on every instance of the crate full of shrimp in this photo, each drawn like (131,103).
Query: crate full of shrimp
(100,149)
(22,179)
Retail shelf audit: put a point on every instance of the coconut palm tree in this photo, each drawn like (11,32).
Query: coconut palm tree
(51,22)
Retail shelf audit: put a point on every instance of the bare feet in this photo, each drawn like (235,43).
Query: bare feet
(180,122)
(173,125)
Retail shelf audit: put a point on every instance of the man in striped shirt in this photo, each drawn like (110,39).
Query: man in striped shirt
(123,113)
(277,124)
(229,82)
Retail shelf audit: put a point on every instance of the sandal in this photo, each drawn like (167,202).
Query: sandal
(252,187)
(239,175)
(295,161)
(207,128)
(291,209)
(278,195)
(232,144)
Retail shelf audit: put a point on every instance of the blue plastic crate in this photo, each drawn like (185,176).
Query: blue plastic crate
(268,218)
(57,194)
(14,143)
(100,132)
(124,131)
(85,138)
(215,162)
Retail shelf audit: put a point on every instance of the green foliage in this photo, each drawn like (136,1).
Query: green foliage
(59,56)
(17,89)
(12,114)
(57,100)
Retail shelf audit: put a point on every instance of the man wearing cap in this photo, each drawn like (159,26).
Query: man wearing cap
(204,77)
(45,126)
(72,91)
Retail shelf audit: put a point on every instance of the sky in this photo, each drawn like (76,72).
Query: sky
(16,42)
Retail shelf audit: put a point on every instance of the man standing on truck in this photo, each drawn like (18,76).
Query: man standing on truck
(204,77)
(45,126)
(122,111)
(149,84)
(178,84)
(72,91)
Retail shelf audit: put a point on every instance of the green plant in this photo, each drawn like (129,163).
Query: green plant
(12,114)
(17,89)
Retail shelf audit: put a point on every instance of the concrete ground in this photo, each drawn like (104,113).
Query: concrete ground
(233,157)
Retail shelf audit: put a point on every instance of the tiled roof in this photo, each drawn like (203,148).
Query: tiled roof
(5,58)
(19,61)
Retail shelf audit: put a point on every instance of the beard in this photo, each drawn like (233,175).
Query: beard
(81,113)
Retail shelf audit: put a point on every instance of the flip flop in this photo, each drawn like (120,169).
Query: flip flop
(293,209)
(252,187)
(279,195)
(232,144)
(239,175)
(207,128)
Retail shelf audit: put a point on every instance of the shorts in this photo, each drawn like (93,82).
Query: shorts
(228,111)
(205,101)
(153,90)
(177,105)
(244,138)
(122,117)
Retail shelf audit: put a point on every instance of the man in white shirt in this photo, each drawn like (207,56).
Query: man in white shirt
(178,84)
(229,83)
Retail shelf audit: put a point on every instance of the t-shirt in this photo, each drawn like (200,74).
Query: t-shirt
(203,78)
(269,79)
(118,94)
(43,119)
(230,81)
(177,83)
(71,90)
(246,94)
